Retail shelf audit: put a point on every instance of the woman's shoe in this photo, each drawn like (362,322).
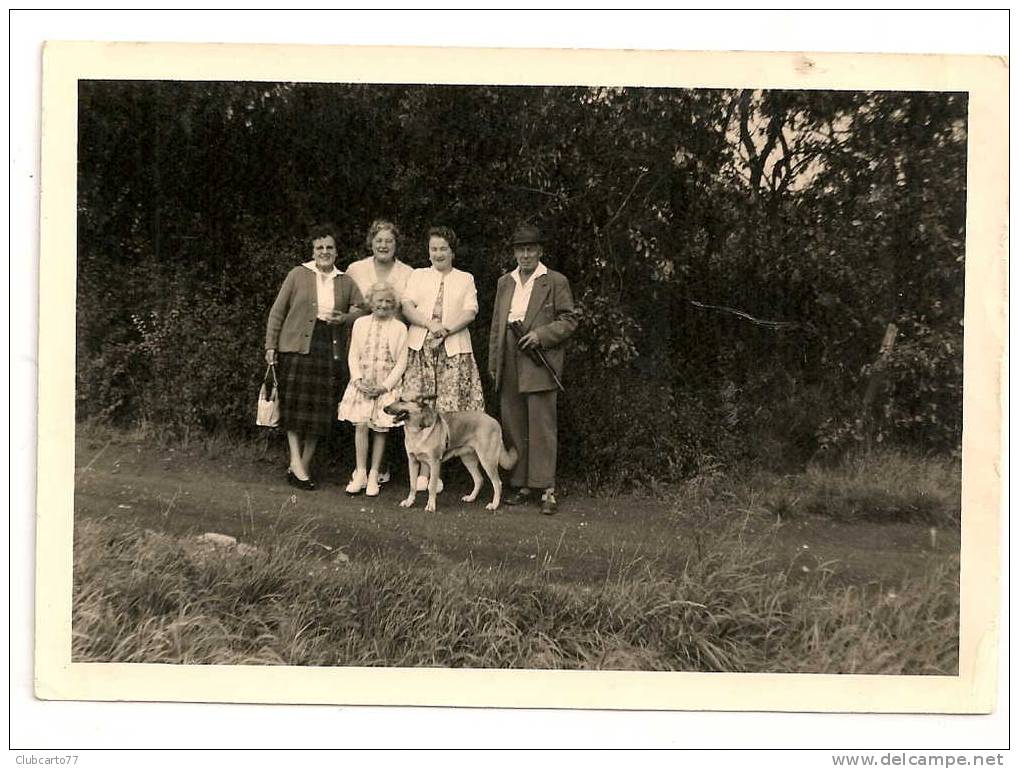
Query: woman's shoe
(297,483)
(357,483)
(372,489)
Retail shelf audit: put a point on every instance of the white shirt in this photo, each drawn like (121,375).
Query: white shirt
(362,272)
(522,292)
(325,297)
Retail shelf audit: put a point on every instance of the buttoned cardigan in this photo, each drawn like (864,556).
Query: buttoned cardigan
(292,317)
(458,298)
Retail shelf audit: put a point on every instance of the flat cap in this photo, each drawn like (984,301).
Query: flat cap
(527,233)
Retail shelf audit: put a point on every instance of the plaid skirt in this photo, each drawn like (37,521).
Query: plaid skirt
(309,385)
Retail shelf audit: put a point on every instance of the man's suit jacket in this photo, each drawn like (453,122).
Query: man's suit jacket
(550,315)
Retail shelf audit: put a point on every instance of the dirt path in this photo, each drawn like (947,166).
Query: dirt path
(590,539)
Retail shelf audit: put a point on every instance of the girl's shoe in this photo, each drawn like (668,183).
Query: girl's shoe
(372,489)
(357,482)
(422,484)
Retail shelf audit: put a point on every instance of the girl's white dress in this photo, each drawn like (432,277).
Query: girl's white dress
(378,355)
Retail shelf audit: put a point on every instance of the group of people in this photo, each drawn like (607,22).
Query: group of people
(384,330)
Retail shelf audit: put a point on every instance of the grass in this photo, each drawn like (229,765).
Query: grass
(888,487)
(144,596)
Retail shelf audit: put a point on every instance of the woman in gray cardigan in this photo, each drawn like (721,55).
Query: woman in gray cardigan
(307,334)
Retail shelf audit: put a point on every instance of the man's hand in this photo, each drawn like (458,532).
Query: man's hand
(270,357)
(529,340)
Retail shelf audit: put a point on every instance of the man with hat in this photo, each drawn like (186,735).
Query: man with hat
(533,314)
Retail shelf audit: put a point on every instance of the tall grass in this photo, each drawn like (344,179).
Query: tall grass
(887,487)
(141,596)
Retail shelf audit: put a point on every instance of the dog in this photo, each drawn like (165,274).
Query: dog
(431,437)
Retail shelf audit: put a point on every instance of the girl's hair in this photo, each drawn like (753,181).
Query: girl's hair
(380,288)
(446,233)
(377,226)
(324,230)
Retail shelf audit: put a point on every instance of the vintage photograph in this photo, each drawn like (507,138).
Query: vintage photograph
(600,377)
(551,377)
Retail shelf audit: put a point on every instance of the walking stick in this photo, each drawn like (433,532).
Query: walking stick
(536,354)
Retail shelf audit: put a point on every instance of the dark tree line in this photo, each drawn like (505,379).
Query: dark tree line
(738,256)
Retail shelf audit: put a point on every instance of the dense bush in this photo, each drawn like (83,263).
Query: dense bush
(736,255)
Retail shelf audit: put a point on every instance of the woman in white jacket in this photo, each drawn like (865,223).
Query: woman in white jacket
(440,304)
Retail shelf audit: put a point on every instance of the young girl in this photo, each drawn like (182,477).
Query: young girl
(377,359)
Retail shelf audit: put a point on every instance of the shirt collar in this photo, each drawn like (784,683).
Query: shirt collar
(540,270)
(311,266)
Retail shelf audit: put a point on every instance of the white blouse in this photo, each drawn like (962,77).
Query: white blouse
(324,296)
(362,272)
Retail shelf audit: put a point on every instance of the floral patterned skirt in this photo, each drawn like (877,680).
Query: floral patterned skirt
(453,378)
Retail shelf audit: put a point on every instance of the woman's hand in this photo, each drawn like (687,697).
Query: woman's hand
(438,330)
(337,318)
(270,357)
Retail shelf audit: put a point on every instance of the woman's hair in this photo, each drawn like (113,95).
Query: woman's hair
(377,226)
(446,233)
(381,288)
(324,230)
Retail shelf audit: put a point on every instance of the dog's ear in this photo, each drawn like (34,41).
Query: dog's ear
(427,403)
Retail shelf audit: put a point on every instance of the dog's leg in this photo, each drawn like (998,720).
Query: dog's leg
(434,468)
(470,460)
(412,468)
(490,461)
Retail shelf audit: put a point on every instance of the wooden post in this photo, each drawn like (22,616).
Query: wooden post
(877,377)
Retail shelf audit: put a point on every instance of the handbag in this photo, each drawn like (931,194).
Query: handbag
(268,401)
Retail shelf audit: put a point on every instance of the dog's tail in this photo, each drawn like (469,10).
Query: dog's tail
(507,458)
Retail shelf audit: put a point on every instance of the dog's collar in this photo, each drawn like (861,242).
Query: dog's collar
(424,433)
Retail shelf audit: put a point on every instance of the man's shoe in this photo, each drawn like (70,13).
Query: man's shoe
(548,504)
(518,497)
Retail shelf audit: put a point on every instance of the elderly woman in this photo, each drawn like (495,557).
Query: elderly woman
(382,266)
(440,304)
(306,335)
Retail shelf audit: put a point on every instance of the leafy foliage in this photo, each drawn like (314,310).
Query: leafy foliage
(820,216)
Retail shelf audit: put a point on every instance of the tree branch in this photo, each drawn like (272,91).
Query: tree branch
(626,199)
